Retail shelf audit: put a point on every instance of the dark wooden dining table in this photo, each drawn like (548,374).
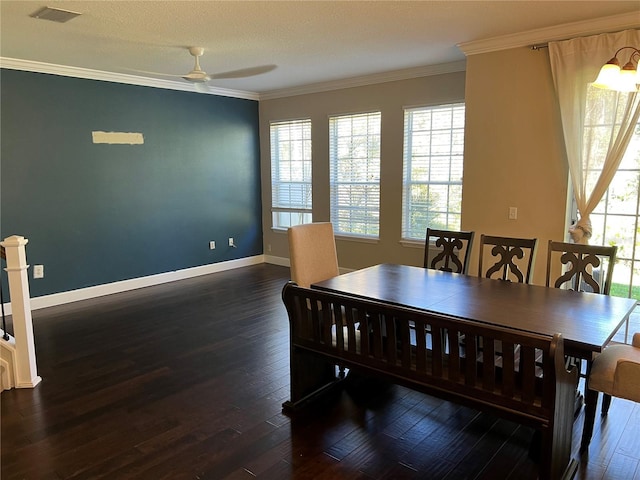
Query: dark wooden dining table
(587,321)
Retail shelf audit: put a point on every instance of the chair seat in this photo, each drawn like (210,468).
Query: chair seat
(616,371)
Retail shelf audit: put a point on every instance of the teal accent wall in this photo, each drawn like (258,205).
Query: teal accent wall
(101,213)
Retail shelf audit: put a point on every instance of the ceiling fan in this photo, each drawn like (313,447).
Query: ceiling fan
(199,76)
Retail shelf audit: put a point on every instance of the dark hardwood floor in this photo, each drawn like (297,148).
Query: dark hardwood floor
(186,381)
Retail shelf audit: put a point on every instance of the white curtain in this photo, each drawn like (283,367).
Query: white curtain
(597,124)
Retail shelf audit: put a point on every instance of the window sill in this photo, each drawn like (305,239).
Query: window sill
(412,243)
(352,238)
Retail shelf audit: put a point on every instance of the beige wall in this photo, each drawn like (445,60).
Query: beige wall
(513,150)
(512,153)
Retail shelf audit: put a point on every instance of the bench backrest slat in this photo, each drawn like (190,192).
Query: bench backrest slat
(527,371)
(488,367)
(421,345)
(508,368)
(471,373)
(454,356)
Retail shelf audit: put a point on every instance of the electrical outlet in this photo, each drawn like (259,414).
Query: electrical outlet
(212,245)
(513,213)
(231,244)
(38,271)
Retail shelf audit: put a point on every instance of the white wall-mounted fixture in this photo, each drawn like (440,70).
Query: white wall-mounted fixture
(38,271)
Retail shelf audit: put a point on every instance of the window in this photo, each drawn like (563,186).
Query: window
(354,170)
(291,173)
(616,221)
(432,172)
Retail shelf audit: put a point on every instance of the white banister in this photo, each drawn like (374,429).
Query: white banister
(26,369)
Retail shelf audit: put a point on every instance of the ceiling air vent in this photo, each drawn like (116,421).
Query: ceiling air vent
(54,14)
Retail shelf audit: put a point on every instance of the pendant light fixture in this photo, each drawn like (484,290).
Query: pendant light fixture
(625,79)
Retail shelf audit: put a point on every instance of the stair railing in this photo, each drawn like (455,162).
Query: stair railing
(26,371)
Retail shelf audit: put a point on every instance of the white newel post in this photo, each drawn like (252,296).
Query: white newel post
(26,369)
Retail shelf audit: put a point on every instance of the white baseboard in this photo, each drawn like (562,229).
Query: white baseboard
(282,261)
(31,383)
(141,282)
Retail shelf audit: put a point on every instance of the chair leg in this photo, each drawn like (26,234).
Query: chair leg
(606,402)
(591,402)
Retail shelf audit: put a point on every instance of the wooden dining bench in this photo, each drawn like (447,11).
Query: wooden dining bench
(526,382)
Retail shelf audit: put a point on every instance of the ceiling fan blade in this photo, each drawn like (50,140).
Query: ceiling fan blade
(244,72)
(199,76)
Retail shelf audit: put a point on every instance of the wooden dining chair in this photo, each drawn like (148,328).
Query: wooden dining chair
(511,258)
(615,372)
(448,250)
(583,268)
(579,267)
(312,253)
(313,257)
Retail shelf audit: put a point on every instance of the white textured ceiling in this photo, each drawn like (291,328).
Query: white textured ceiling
(309,42)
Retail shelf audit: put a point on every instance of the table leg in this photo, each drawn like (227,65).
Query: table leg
(590,405)
(626,329)
(591,402)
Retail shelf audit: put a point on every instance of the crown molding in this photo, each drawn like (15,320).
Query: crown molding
(531,37)
(76,72)
(361,81)
(542,35)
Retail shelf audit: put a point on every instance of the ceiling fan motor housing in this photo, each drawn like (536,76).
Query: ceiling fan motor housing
(196,51)
(197,75)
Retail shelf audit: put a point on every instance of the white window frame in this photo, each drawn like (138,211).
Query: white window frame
(354,173)
(419,156)
(291,173)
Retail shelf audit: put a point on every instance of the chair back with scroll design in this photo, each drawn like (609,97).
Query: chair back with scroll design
(514,258)
(312,253)
(585,268)
(453,250)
